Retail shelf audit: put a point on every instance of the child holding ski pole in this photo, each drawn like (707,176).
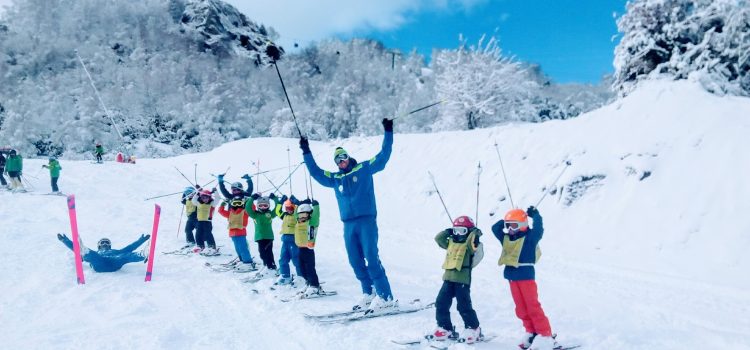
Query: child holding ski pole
(238,218)
(520,252)
(460,242)
(54,173)
(236,187)
(289,250)
(308,220)
(192,217)
(262,216)
(205,203)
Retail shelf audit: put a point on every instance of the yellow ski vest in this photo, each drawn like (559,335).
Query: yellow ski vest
(512,253)
(456,254)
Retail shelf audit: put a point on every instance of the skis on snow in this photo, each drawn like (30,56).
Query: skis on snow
(152,249)
(439,344)
(76,238)
(357,315)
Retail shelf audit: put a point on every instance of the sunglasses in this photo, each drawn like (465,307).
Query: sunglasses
(460,231)
(341,157)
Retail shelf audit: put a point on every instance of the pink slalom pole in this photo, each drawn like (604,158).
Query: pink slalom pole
(76,240)
(152,250)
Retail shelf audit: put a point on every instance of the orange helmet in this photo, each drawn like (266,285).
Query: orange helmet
(516,220)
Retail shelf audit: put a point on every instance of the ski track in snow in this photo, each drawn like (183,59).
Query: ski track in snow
(652,264)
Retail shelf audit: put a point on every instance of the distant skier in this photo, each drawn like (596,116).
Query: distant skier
(289,250)
(460,242)
(14,167)
(355,194)
(308,220)
(54,173)
(106,259)
(262,216)
(236,187)
(238,219)
(520,252)
(98,152)
(205,203)
(2,170)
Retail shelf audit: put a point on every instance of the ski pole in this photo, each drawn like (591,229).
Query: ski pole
(312,196)
(441,197)
(99,97)
(180,223)
(479,173)
(307,192)
(270,171)
(272,184)
(505,177)
(567,164)
(183,175)
(165,195)
(195,172)
(289,178)
(417,110)
(289,167)
(287,98)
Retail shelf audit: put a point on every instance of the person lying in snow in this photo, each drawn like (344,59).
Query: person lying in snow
(106,259)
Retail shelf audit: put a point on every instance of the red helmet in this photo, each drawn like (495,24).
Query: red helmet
(205,192)
(463,221)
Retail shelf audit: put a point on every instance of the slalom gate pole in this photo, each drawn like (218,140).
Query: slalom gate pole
(505,177)
(450,218)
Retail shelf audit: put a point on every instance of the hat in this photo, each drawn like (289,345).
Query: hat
(340,154)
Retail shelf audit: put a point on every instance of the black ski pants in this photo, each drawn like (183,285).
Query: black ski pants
(307,265)
(54,184)
(444,300)
(190,226)
(265,249)
(2,178)
(204,235)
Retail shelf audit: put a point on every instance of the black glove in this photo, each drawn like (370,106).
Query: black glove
(62,237)
(388,124)
(220,178)
(255,196)
(273,52)
(283,198)
(246,177)
(314,202)
(145,237)
(294,200)
(272,196)
(213,190)
(304,144)
(306,201)
(532,211)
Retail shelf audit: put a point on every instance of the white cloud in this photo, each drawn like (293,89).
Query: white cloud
(302,21)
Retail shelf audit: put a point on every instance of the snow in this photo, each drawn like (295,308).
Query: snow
(630,264)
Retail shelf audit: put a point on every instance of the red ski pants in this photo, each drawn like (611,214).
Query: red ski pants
(528,308)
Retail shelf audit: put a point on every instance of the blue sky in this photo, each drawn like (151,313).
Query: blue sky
(570,39)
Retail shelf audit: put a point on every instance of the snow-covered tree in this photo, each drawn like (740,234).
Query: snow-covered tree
(481,87)
(706,40)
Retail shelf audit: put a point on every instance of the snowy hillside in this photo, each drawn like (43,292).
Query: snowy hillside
(645,242)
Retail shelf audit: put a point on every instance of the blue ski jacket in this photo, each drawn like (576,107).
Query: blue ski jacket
(355,192)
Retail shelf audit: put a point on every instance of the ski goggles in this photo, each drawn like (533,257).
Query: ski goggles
(340,158)
(460,231)
(104,243)
(515,225)
(237,203)
(263,206)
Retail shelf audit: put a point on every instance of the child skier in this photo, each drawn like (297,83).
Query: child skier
(520,252)
(14,167)
(2,170)
(236,187)
(192,217)
(308,220)
(98,152)
(262,216)
(289,250)
(237,217)
(205,203)
(106,259)
(54,173)
(461,242)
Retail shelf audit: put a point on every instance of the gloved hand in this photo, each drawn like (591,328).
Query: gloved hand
(532,211)
(388,124)
(44,165)
(197,187)
(283,198)
(246,177)
(213,190)
(221,178)
(62,237)
(272,196)
(273,52)
(294,200)
(255,196)
(315,202)
(306,201)
(304,144)
(310,245)
(145,237)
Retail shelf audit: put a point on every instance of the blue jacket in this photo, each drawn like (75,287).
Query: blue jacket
(355,192)
(528,251)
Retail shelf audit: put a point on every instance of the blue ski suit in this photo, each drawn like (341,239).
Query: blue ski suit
(355,194)
(109,260)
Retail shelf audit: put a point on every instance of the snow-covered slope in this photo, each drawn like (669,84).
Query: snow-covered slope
(644,245)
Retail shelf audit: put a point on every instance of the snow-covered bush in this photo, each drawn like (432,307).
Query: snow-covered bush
(707,40)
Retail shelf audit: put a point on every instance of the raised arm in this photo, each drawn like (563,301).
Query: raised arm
(378,162)
(133,246)
(538,229)
(497,230)
(223,188)
(442,238)
(325,178)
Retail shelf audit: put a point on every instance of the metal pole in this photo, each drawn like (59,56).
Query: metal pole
(441,197)
(567,164)
(504,176)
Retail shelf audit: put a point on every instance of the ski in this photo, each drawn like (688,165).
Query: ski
(363,315)
(76,238)
(346,313)
(152,250)
(300,296)
(440,344)
(257,278)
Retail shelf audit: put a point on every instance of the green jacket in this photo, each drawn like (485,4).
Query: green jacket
(99,150)
(263,228)
(463,275)
(54,168)
(14,163)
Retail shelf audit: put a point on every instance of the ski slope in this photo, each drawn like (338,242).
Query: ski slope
(630,260)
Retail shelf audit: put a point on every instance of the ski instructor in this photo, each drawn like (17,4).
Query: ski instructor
(355,195)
